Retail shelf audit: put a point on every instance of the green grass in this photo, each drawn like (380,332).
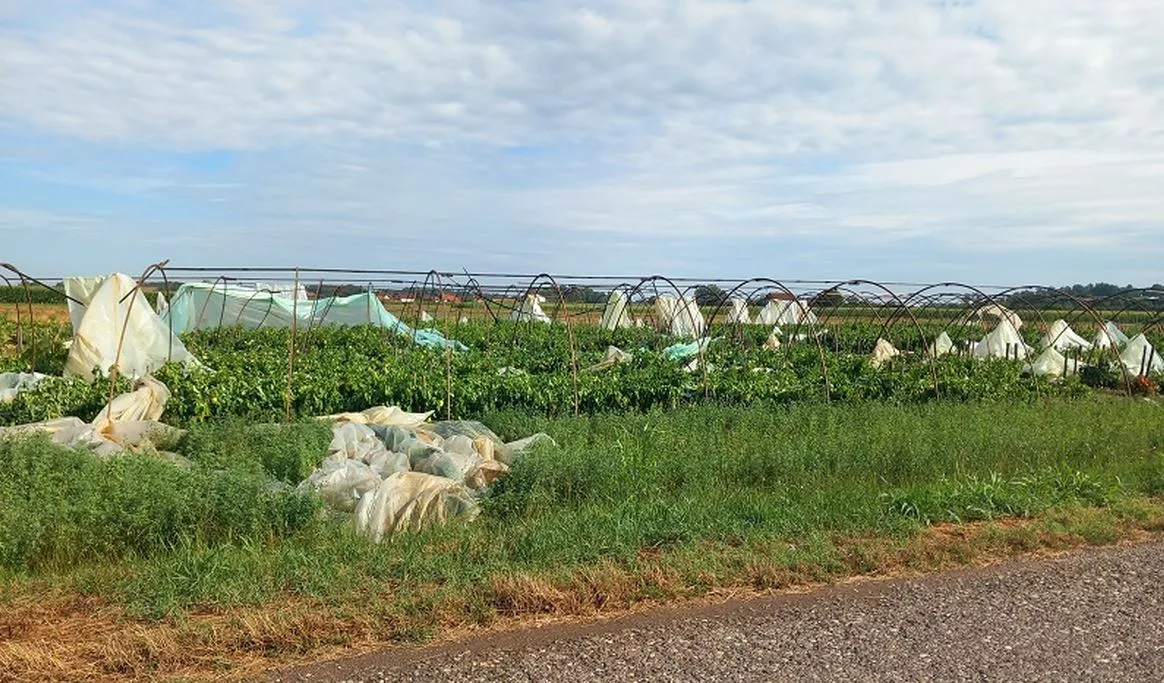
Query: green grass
(770,485)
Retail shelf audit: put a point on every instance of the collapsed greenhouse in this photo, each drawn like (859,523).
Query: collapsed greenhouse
(391,470)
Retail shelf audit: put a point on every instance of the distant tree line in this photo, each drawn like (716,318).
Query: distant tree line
(1127,295)
(36,293)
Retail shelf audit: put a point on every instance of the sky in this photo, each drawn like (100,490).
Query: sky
(983,141)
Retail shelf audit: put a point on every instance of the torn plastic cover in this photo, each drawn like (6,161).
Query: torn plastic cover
(413,501)
(12,383)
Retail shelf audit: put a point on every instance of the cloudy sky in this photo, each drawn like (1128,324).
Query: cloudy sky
(990,141)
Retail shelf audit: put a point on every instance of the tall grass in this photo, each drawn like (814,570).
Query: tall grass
(62,508)
(773,483)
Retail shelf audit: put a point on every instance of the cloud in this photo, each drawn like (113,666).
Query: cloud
(693,128)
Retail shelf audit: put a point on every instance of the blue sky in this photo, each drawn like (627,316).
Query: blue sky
(986,141)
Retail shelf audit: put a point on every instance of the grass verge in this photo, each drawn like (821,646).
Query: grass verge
(133,568)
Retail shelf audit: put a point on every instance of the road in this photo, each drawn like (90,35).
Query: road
(1095,615)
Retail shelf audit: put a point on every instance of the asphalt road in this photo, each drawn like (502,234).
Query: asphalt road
(1096,615)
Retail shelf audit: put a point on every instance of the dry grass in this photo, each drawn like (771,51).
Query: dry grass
(60,637)
(40,312)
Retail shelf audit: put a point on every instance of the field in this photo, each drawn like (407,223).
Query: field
(271,375)
(757,469)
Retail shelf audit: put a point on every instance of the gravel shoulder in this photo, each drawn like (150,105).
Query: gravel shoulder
(1092,615)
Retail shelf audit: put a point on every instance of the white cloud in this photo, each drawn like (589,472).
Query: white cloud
(979,126)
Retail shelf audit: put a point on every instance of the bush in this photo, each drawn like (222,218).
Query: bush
(287,453)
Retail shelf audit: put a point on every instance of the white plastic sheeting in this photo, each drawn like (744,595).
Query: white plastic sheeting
(356,463)
(612,357)
(425,317)
(738,312)
(768,314)
(1061,337)
(666,308)
(397,472)
(940,346)
(341,483)
(530,309)
(614,316)
(202,306)
(1053,365)
(785,312)
(383,416)
(413,501)
(883,351)
(689,319)
(772,343)
(12,383)
(1140,358)
(147,401)
(1003,341)
(129,421)
(80,291)
(995,312)
(121,330)
(1109,335)
(679,317)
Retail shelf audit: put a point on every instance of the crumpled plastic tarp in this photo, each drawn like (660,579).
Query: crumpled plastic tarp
(129,421)
(786,312)
(1140,358)
(384,416)
(883,351)
(1003,341)
(680,352)
(1061,337)
(772,343)
(530,309)
(613,356)
(203,305)
(679,317)
(738,312)
(80,291)
(997,311)
(396,477)
(940,346)
(1053,365)
(1108,336)
(119,328)
(413,501)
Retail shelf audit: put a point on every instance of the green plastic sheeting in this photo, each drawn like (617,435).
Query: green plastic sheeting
(201,306)
(684,351)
